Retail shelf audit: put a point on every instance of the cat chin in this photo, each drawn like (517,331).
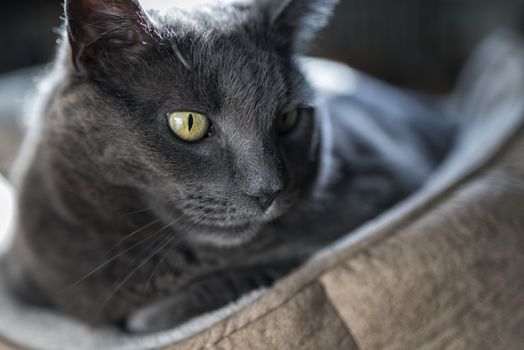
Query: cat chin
(226,239)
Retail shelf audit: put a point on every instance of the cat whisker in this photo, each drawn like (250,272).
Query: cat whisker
(134,212)
(164,243)
(151,245)
(164,257)
(137,231)
(107,262)
(180,57)
(147,248)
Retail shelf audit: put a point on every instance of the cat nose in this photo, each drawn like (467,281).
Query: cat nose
(266,199)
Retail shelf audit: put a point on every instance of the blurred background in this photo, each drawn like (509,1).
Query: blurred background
(419,44)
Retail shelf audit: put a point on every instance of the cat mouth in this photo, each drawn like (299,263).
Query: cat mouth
(239,228)
(225,236)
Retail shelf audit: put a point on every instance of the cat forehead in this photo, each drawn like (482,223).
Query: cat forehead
(241,79)
(249,79)
(241,59)
(229,34)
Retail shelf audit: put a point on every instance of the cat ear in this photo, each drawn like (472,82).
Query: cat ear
(299,20)
(105,29)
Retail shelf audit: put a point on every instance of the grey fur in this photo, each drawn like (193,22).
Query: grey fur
(300,19)
(120,221)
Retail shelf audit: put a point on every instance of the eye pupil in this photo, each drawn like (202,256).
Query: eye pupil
(190,122)
(189,126)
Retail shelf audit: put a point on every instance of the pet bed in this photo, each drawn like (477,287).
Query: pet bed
(442,270)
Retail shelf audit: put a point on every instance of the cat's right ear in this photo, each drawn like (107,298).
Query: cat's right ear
(103,30)
(297,21)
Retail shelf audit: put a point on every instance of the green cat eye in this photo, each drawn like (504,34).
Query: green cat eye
(189,126)
(287,121)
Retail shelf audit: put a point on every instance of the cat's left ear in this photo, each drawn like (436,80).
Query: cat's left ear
(105,30)
(297,21)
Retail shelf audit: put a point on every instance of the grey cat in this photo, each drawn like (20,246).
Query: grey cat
(182,160)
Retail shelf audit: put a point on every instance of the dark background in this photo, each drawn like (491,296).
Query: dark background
(419,44)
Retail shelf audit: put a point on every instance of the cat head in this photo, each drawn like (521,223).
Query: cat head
(204,113)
